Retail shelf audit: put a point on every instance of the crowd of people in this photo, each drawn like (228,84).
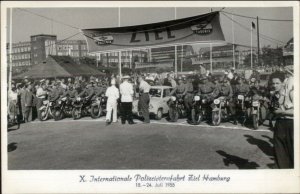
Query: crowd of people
(26,97)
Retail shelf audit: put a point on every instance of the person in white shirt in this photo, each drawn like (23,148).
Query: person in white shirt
(13,108)
(112,94)
(126,91)
(41,96)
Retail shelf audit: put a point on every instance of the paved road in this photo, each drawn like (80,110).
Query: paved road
(90,144)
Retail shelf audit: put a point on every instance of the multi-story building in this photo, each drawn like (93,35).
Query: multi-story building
(42,46)
(73,48)
(25,54)
(21,54)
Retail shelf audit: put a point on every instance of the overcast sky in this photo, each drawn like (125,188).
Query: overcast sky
(26,24)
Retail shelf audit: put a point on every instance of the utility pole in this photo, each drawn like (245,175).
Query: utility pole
(258,48)
(10,50)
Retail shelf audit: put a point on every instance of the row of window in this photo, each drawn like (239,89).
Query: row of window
(21,49)
(22,56)
(21,63)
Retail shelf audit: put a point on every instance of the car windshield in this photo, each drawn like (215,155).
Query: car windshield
(155,92)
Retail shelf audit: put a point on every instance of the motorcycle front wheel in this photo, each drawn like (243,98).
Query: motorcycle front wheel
(43,114)
(57,114)
(255,121)
(216,119)
(196,117)
(173,114)
(96,111)
(76,113)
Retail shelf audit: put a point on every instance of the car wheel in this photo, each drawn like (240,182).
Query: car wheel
(159,114)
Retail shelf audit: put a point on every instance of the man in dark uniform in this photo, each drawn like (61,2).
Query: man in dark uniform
(89,91)
(28,103)
(54,93)
(144,99)
(225,90)
(206,89)
(188,96)
(70,93)
(180,89)
(240,89)
(99,89)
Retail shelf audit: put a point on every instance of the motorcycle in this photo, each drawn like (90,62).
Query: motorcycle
(241,109)
(63,108)
(255,112)
(176,108)
(46,110)
(98,106)
(199,109)
(220,111)
(81,107)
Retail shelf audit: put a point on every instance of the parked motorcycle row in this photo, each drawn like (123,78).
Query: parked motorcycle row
(217,110)
(75,108)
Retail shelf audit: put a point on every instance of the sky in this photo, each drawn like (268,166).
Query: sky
(26,24)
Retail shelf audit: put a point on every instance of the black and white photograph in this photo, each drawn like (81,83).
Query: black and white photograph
(150,97)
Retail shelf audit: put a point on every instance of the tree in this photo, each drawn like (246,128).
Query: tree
(271,56)
(247,60)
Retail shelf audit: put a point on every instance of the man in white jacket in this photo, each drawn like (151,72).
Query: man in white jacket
(112,94)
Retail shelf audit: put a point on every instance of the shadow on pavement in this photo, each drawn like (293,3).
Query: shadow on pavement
(241,163)
(271,140)
(264,146)
(13,127)
(11,147)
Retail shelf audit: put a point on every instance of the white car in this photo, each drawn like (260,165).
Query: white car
(159,96)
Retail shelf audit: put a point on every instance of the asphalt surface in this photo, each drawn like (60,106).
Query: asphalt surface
(90,144)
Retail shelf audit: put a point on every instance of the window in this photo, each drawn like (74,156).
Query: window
(166,92)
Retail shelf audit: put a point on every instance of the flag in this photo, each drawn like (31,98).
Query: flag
(253,25)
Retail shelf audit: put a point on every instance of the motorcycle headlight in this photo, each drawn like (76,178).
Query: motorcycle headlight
(196,98)
(173,98)
(255,103)
(216,101)
(78,99)
(240,97)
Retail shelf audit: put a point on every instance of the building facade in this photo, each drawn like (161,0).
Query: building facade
(152,57)
(41,47)
(73,48)
(21,54)
(224,57)
(37,50)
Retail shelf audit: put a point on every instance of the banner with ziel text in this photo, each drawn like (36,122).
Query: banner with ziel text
(201,28)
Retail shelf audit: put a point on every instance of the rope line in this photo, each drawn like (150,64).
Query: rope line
(266,19)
